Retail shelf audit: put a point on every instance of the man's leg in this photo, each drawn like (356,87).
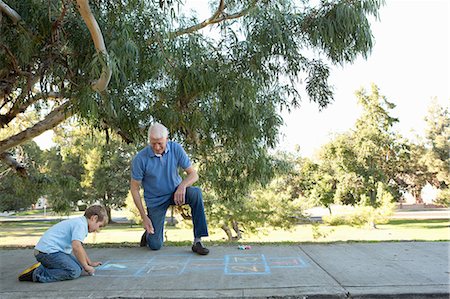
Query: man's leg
(194,199)
(56,266)
(158,216)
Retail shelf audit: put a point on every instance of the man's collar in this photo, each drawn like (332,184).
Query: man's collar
(152,153)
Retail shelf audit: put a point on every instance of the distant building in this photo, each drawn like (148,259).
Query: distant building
(41,203)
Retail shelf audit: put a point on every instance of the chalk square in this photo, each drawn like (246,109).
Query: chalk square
(245,259)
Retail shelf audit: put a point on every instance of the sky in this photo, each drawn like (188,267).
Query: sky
(409,63)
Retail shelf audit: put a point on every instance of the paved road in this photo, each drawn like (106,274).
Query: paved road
(355,270)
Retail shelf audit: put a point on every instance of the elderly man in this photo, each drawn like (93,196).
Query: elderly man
(156,168)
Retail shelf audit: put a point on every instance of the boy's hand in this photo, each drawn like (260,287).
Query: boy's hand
(89,269)
(95,264)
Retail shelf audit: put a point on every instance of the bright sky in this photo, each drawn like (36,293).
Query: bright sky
(410,64)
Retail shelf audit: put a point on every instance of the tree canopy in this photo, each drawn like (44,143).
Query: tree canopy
(218,84)
(217,92)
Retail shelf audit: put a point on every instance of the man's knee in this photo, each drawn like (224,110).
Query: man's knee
(195,194)
(154,245)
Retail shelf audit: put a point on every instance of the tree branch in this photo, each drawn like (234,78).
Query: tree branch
(11,13)
(218,16)
(16,109)
(8,159)
(54,118)
(85,11)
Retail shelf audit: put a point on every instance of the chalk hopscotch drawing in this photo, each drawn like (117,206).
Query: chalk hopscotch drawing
(112,266)
(234,264)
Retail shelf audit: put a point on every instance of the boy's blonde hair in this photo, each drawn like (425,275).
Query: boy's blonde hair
(98,210)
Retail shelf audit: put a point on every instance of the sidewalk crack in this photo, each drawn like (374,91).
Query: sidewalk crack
(346,292)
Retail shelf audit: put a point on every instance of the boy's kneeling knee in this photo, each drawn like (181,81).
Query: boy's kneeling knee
(74,273)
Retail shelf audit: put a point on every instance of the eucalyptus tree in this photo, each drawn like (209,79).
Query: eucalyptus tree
(218,84)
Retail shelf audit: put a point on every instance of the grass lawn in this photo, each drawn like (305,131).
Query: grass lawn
(27,233)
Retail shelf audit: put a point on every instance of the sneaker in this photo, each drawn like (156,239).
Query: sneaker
(27,274)
(143,242)
(200,249)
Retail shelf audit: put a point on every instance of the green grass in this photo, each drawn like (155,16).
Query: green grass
(27,234)
(33,212)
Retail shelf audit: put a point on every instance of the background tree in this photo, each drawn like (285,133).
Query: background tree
(437,143)
(63,190)
(413,174)
(102,165)
(362,164)
(18,193)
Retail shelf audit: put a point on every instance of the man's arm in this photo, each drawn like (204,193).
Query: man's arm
(191,178)
(134,188)
(82,256)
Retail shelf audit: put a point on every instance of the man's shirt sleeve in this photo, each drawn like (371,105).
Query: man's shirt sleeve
(183,159)
(137,171)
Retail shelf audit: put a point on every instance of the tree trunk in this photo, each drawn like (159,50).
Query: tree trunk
(418,197)
(237,230)
(227,230)
(108,212)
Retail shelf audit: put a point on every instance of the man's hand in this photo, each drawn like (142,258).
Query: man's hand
(148,225)
(179,195)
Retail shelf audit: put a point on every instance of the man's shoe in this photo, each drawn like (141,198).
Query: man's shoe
(27,274)
(143,242)
(200,249)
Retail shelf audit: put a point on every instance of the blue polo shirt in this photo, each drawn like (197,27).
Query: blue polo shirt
(59,237)
(159,175)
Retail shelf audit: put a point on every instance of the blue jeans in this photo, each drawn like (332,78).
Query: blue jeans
(56,266)
(157,215)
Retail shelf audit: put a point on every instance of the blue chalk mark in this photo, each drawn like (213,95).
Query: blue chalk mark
(141,270)
(116,266)
(283,262)
(246,266)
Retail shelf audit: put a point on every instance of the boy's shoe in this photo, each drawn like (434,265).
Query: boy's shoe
(27,274)
(200,249)
(143,242)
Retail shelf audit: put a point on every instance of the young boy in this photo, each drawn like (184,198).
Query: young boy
(54,250)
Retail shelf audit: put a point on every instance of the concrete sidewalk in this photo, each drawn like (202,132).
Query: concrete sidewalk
(357,270)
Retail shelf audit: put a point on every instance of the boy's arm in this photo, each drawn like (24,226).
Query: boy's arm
(82,256)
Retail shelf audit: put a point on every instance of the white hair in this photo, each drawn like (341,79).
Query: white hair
(157,130)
